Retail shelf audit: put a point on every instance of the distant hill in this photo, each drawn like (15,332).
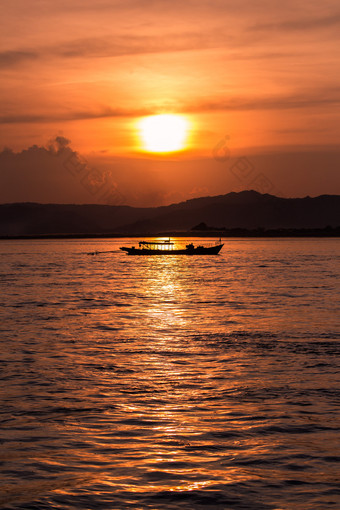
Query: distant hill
(244,210)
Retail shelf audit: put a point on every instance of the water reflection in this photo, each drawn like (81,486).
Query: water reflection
(173,401)
(169,382)
(167,294)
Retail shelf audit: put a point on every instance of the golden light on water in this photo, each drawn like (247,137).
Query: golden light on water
(163,133)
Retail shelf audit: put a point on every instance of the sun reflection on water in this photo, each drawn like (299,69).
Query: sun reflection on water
(174,451)
(145,380)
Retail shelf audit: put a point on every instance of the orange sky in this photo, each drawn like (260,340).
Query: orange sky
(266,74)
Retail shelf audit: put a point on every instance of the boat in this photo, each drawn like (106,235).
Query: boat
(168,248)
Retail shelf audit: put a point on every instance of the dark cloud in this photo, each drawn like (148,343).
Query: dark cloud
(302,23)
(130,44)
(55,173)
(58,174)
(304,99)
(58,144)
(12,58)
(108,48)
(115,46)
(76,115)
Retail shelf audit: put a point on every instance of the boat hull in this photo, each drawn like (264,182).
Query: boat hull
(199,250)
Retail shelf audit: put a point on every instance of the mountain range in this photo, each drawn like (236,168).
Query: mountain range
(243,210)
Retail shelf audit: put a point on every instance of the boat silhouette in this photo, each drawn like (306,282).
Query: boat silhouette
(168,248)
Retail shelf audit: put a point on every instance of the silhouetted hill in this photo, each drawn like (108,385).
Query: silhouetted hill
(244,210)
(34,219)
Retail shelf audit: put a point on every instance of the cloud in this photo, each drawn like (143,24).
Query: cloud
(133,46)
(302,23)
(58,144)
(304,99)
(115,46)
(56,173)
(11,57)
(148,40)
(103,113)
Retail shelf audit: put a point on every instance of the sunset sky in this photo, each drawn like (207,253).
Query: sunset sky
(256,82)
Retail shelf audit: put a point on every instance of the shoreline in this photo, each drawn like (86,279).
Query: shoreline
(228,233)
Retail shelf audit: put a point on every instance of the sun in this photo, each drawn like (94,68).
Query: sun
(163,133)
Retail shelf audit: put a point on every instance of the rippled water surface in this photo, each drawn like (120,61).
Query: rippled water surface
(170,382)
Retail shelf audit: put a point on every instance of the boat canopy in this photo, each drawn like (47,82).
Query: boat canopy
(155,243)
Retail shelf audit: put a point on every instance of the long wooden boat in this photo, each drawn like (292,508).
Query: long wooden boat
(168,248)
